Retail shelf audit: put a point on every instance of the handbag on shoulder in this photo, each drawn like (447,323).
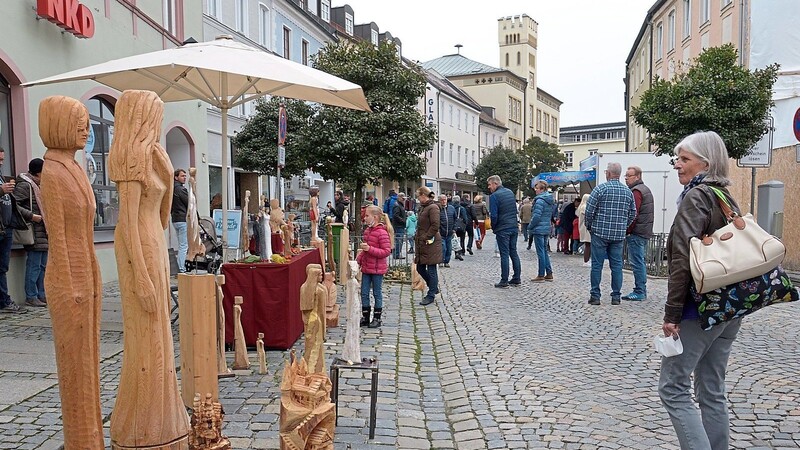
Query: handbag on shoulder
(25,236)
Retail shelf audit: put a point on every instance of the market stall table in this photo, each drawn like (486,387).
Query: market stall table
(271,294)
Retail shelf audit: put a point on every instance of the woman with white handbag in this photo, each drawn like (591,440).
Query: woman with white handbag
(702,163)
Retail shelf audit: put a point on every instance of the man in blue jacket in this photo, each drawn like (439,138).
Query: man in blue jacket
(503,211)
(447,215)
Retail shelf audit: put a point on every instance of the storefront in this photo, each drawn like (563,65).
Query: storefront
(40,39)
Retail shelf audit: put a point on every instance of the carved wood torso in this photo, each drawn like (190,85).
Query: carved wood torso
(196,247)
(313,296)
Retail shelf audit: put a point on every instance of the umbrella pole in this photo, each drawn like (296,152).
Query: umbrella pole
(224,147)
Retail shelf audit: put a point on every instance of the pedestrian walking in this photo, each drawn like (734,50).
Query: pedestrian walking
(539,230)
(479,215)
(375,248)
(398,219)
(467,205)
(180,203)
(609,212)
(503,211)
(702,162)
(10,219)
(585,237)
(447,216)
(29,201)
(411,230)
(525,217)
(428,252)
(640,232)
(459,226)
(566,219)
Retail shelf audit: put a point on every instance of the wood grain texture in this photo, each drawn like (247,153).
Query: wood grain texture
(344,254)
(222,363)
(307,417)
(148,412)
(241,361)
(331,308)
(197,300)
(313,297)
(196,247)
(352,338)
(262,356)
(73,275)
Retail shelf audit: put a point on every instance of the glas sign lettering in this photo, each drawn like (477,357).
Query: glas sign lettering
(70,15)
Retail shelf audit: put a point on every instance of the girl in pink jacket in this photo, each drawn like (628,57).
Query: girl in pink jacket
(375,249)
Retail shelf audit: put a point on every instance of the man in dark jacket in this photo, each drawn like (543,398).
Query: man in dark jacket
(503,211)
(467,205)
(398,218)
(447,215)
(180,203)
(8,212)
(639,232)
(567,217)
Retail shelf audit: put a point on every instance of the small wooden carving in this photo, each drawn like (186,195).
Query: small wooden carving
(262,356)
(307,419)
(352,339)
(244,241)
(313,296)
(319,244)
(241,360)
(73,275)
(344,254)
(313,211)
(143,173)
(196,247)
(331,308)
(206,425)
(331,256)
(287,241)
(276,217)
(222,363)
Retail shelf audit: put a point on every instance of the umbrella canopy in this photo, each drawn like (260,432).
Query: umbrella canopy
(224,73)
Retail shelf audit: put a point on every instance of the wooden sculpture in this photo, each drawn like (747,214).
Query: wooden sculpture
(241,361)
(313,211)
(196,247)
(276,217)
(197,301)
(287,244)
(143,173)
(307,419)
(331,308)
(262,356)
(244,240)
(344,254)
(352,340)
(313,296)
(222,363)
(206,425)
(73,275)
(329,233)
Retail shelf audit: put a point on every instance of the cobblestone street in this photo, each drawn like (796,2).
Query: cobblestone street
(481,368)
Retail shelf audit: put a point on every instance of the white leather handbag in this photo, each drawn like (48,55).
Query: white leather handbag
(736,252)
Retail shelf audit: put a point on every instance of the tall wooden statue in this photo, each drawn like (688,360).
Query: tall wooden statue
(143,173)
(331,308)
(196,247)
(344,254)
(73,276)
(312,304)
(240,360)
(313,211)
(262,356)
(222,363)
(352,339)
(329,233)
(244,240)
(308,419)
(276,223)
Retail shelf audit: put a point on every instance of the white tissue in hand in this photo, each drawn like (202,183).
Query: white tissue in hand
(668,346)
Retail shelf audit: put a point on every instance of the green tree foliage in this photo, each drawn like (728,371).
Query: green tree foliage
(716,94)
(257,142)
(542,157)
(511,166)
(355,147)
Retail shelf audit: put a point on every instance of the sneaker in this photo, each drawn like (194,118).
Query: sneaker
(426,301)
(516,283)
(501,285)
(11,308)
(615,301)
(43,300)
(634,297)
(538,279)
(447,265)
(459,257)
(496,254)
(469,250)
(35,302)
(594,301)
(548,277)
(587,264)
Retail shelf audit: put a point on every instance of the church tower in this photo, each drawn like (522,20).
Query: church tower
(518,36)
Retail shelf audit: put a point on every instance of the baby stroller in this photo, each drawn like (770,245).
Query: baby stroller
(211,261)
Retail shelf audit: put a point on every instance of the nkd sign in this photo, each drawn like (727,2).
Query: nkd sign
(69,15)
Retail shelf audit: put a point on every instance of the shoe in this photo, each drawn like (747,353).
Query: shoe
(587,264)
(594,301)
(459,257)
(441,265)
(376,318)
(365,310)
(410,252)
(447,265)
(501,285)
(615,301)
(515,283)
(43,300)
(548,277)
(426,301)
(479,245)
(538,279)
(11,308)
(634,297)
(469,250)
(35,302)
(496,254)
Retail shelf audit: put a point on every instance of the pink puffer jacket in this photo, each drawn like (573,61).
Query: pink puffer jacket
(374,261)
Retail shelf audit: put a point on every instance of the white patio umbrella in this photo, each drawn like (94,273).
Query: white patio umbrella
(223,73)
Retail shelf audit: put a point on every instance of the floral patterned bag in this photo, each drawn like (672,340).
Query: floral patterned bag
(740,299)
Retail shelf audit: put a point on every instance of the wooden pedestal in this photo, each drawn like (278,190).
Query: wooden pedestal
(197,299)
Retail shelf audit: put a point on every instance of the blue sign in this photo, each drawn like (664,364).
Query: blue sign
(589,163)
(234,225)
(565,178)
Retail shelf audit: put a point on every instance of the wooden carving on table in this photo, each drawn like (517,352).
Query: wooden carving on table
(206,425)
(143,173)
(331,308)
(196,247)
(307,419)
(329,233)
(262,356)
(244,240)
(287,243)
(313,211)
(276,217)
(352,339)
(241,361)
(73,275)
(313,296)
(222,363)
(344,254)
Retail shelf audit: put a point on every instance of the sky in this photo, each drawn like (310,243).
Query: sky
(582,47)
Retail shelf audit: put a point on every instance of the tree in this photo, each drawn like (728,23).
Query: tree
(505,162)
(257,142)
(715,93)
(355,147)
(542,157)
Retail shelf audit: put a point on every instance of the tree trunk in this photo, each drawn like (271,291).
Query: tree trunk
(359,200)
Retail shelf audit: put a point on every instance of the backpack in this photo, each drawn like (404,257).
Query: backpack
(459,224)
(388,204)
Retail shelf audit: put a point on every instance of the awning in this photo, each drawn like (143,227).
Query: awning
(565,178)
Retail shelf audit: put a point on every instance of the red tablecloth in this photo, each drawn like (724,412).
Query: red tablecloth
(271,294)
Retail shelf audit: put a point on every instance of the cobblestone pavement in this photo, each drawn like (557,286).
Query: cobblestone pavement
(481,368)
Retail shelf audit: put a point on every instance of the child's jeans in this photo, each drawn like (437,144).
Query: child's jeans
(376,281)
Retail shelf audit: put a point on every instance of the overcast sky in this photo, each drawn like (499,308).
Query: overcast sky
(583,44)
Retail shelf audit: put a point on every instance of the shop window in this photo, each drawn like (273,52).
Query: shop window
(101,133)
(6,141)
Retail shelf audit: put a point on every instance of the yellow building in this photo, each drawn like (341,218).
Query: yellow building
(581,142)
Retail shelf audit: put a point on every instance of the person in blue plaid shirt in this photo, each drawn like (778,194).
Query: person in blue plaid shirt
(609,212)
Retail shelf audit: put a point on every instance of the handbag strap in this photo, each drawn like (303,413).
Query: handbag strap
(724,203)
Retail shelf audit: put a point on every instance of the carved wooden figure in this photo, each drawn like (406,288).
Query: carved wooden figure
(329,233)
(313,211)
(307,418)
(222,363)
(344,254)
(267,254)
(206,425)
(244,240)
(73,275)
(276,217)
(331,308)
(313,297)
(262,356)
(196,247)
(287,241)
(143,173)
(352,339)
(241,361)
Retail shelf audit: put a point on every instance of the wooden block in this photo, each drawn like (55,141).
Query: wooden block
(197,301)
(240,361)
(222,363)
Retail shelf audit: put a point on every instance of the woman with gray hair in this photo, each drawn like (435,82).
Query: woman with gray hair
(702,165)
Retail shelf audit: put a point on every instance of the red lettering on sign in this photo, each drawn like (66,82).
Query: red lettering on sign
(70,15)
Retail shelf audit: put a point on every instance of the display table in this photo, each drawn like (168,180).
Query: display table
(271,294)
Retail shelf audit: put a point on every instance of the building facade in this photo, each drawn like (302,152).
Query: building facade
(581,142)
